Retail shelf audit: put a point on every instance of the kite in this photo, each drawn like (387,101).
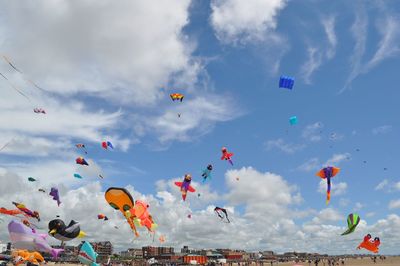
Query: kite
(78,176)
(136,213)
(42,190)
(185,186)
(207,173)
(293,120)
(352,221)
(31,179)
(87,255)
(28,212)
(102,216)
(81,161)
(23,256)
(60,231)
(81,146)
(23,237)
(101,176)
(106,145)
(286,82)
(39,111)
(369,244)
(327,173)
(189,216)
(161,239)
(11,212)
(226,155)
(177,96)
(222,213)
(55,195)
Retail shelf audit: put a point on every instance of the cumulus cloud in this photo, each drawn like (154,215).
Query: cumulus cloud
(336,188)
(280,144)
(244,21)
(394,204)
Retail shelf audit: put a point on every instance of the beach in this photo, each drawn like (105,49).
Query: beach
(389,261)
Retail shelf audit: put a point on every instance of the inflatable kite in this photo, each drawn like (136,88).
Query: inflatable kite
(369,244)
(106,145)
(24,256)
(293,120)
(352,221)
(222,213)
(26,211)
(102,216)
(78,176)
(226,155)
(60,231)
(327,173)
(185,186)
(87,255)
(31,179)
(136,213)
(207,173)
(177,96)
(23,237)
(81,161)
(286,82)
(39,111)
(55,195)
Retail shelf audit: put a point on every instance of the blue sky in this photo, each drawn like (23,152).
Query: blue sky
(111,79)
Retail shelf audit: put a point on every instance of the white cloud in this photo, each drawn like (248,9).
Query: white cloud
(313,62)
(382,185)
(329,27)
(336,159)
(358,206)
(244,21)
(397,185)
(336,188)
(382,129)
(313,132)
(370,214)
(328,214)
(280,144)
(310,165)
(394,204)
(124,53)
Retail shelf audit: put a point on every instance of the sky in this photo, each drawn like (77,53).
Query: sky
(105,72)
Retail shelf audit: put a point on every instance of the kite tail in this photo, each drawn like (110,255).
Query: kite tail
(328,191)
(230,161)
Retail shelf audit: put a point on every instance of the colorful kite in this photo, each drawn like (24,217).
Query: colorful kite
(327,173)
(185,186)
(31,179)
(28,212)
(15,213)
(81,161)
(39,111)
(226,155)
(286,82)
(102,216)
(55,195)
(106,145)
(293,120)
(352,221)
(23,237)
(369,244)
(60,231)
(78,176)
(23,256)
(161,239)
(177,96)
(135,213)
(81,146)
(222,213)
(87,255)
(207,173)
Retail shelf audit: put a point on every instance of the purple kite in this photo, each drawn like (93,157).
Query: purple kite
(55,195)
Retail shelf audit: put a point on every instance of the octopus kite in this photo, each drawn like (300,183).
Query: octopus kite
(369,244)
(327,173)
(136,213)
(185,186)
(226,155)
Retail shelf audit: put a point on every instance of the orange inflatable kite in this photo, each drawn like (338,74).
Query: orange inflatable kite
(369,244)
(23,256)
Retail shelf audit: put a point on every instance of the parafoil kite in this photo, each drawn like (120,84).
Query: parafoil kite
(222,213)
(226,155)
(106,145)
(352,221)
(39,111)
(78,176)
(87,255)
(23,237)
(207,173)
(60,231)
(28,212)
(327,173)
(136,213)
(177,96)
(185,186)
(286,82)
(102,216)
(31,179)
(55,195)
(23,256)
(81,146)
(293,120)
(369,244)
(81,161)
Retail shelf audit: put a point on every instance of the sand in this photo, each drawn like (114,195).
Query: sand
(390,261)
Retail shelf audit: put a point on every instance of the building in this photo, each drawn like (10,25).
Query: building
(104,250)
(132,253)
(151,252)
(199,259)
(3,248)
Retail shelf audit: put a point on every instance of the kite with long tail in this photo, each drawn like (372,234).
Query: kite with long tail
(327,173)
(227,156)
